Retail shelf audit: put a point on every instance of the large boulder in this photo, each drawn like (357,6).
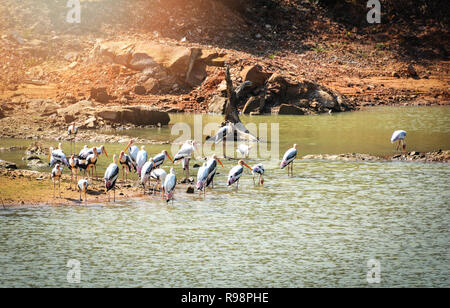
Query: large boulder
(189,64)
(286,109)
(137,115)
(2,114)
(82,107)
(217,104)
(254,74)
(325,99)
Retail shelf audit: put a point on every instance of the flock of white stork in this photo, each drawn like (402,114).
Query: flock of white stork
(149,169)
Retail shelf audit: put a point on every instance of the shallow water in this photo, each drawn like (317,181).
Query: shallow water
(319,228)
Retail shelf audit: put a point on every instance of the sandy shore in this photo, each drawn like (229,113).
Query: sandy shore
(33,188)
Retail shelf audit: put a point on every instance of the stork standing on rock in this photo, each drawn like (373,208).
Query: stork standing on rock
(56,176)
(111,175)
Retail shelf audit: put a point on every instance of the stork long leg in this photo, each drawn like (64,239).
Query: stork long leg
(80,195)
(114,194)
(59,188)
(85,196)
(54,189)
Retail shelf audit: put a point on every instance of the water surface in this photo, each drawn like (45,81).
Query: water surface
(319,228)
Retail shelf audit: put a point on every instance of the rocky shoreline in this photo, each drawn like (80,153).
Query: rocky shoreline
(438,156)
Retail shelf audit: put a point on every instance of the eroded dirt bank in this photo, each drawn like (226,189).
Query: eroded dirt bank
(169,56)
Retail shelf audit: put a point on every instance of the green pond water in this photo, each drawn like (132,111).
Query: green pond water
(318,228)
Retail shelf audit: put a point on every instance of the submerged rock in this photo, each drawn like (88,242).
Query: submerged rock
(137,115)
(7,165)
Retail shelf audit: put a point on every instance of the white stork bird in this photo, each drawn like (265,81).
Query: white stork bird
(83,185)
(111,175)
(74,168)
(56,176)
(146,171)
(244,150)
(91,162)
(258,169)
(222,135)
(288,159)
(202,178)
(211,164)
(133,151)
(57,156)
(399,135)
(72,131)
(141,159)
(127,165)
(85,152)
(169,185)
(160,176)
(236,172)
(161,158)
(185,154)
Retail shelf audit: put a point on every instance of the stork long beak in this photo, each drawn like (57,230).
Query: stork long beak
(170,158)
(104,150)
(129,145)
(248,166)
(220,162)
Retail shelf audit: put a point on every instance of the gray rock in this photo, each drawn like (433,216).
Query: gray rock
(217,104)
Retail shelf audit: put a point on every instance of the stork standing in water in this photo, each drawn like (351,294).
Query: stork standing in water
(169,185)
(111,175)
(83,185)
(399,135)
(56,176)
(211,164)
(127,165)
(185,154)
(202,178)
(72,131)
(146,172)
(235,174)
(57,156)
(160,176)
(74,168)
(141,159)
(258,170)
(222,134)
(288,159)
(244,150)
